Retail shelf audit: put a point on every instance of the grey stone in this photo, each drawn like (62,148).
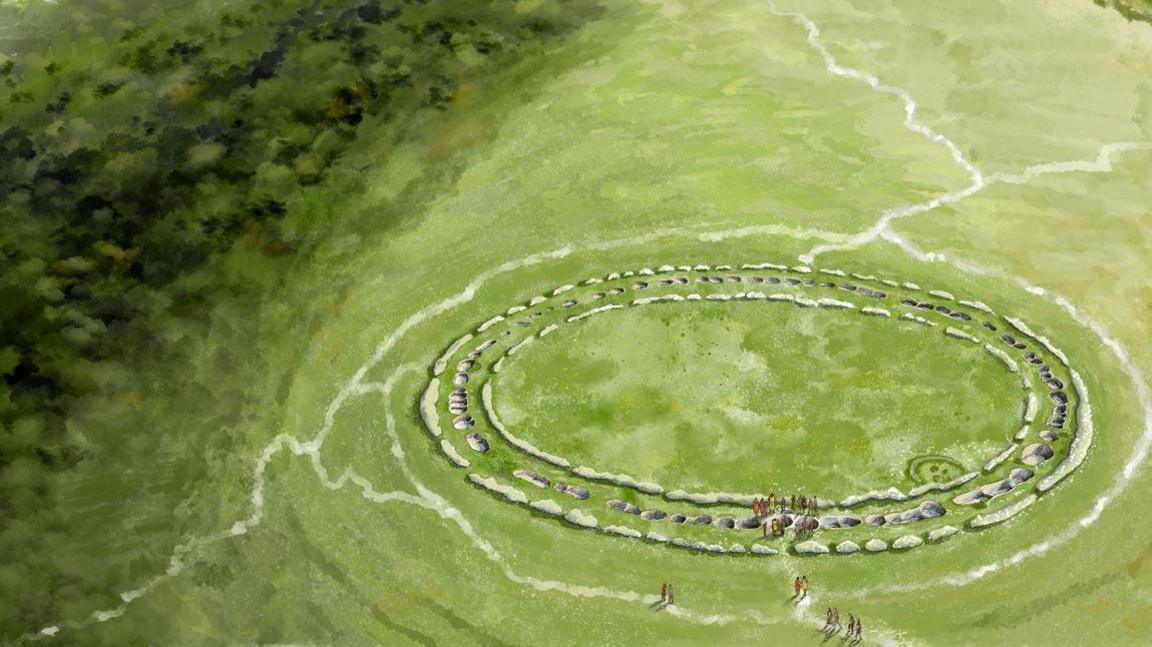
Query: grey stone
(1036,454)
(623,506)
(931,510)
(907,541)
(477,442)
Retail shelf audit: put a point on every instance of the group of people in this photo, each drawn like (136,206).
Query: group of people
(796,504)
(800,586)
(854,630)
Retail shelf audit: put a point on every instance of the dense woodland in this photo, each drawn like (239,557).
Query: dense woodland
(1130,9)
(140,142)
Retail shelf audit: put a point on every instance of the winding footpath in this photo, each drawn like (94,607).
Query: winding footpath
(426,499)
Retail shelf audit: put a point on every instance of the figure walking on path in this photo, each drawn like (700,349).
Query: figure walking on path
(827,619)
(663,592)
(851,626)
(836,619)
(671,595)
(804,586)
(796,587)
(859,630)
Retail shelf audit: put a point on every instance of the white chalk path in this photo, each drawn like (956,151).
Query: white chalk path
(1119,485)
(882,228)
(910,122)
(1102,164)
(432,501)
(356,387)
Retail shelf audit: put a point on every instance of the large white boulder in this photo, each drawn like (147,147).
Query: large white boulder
(940,534)
(547,506)
(810,548)
(875,545)
(580,518)
(847,547)
(907,541)
(623,531)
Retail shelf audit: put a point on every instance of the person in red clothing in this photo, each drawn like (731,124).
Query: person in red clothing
(796,588)
(663,592)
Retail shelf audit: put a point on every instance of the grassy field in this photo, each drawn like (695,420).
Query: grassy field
(681,133)
(710,399)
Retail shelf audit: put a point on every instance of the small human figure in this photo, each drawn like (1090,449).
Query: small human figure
(836,619)
(796,585)
(771,500)
(663,592)
(859,630)
(804,586)
(851,626)
(671,595)
(827,619)
(765,527)
(803,502)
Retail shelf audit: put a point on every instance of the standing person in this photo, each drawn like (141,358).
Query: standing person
(803,503)
(804,586)
(663,592)
(765,527)
(771,500)
(851,626)
(827,619)
(796,587)
(671,595)
(859,630)
(836,619)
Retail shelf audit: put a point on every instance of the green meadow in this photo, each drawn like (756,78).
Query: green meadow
(635,135)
